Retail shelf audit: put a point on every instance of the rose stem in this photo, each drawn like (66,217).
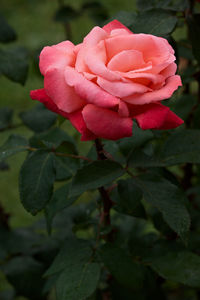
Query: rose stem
(107,202)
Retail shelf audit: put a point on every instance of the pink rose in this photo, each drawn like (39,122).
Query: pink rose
(111,78)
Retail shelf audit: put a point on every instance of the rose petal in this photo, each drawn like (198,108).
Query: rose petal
(105,123)
(57,56)
(88,90)
(153,48)
(75,118)
(41,96)
(126,60)
(172,83)
(123,109)
(96,59)
(157,116)
(62,95)
(77,121)
(114,25)
(96,35)
(121,89)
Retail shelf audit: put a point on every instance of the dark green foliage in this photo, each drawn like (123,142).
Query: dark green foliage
(36,186)
(127,272)
(194,31)
(7,33)
(6,114)
(157,22)
(129,199)
(14,144)
(14,63)
(95,175)
(38,118)
(22,272)
(168,199)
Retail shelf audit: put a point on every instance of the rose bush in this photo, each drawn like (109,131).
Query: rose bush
(111,78)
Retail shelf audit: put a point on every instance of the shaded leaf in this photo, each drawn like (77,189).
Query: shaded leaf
(181,147)
(194,31)
(66,167)
(177,5)
(94,175)
(127,272)
(36,180)
(129,199)
(138,139)
(157,22)
(55,137)
(59,201)
(78,282)
(7,33)
(6,114)
(168,199)
(14,144)
(22,272)
(14,63)
(73,252)
(38,118)
(182,267)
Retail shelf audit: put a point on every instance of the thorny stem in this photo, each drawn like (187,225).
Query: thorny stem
(107,202)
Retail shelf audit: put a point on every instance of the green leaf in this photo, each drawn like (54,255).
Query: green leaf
(183,105)
(182,267)
(129,199)
(7,33)
(181,147)
(72,253)
(138,139)
(59,201)
(36,180)
(194,31)
(66,167)
(125,17)
(177,5)
(14,63)
(168,199)
(66,14)
(140,159)
(127,272)
(78,282)
(55,137)
(38,118)
(6,114)
(14,144)
(157,22)
(94,175)
(22,272)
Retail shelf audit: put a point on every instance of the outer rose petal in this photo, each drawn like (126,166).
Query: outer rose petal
(41,96)
(165,92)
(57,56)
(77,121)
(89,90)
(63,95)
(105,123)
(114,25)
(158,116)
(75,118)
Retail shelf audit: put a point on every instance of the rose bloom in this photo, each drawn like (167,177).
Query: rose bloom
(111,78)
